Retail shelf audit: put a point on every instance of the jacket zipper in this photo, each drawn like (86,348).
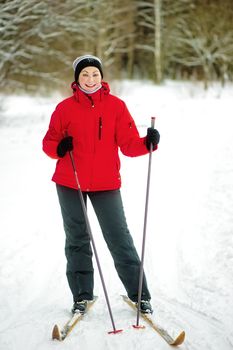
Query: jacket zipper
(91,100)
(100,128)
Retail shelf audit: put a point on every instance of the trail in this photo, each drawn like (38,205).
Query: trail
(189,241)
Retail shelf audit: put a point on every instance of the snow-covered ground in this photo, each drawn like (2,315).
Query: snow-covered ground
(189,248)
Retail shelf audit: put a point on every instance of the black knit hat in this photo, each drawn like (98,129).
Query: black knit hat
(86,61)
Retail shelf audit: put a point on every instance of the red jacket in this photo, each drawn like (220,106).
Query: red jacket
(100,123)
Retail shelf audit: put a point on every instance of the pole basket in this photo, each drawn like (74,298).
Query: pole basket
(138,326)
(116,331)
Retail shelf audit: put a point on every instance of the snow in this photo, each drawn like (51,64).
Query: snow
(189,247)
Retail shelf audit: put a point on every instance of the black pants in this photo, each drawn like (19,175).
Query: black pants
(110,213)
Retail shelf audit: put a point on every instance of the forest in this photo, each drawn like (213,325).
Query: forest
(136,39)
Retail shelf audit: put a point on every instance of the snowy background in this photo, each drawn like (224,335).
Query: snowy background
(189,248)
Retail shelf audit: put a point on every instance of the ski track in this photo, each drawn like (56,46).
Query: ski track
(91,332)
(200,328)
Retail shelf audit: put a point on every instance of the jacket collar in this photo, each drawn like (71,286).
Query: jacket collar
(99,95)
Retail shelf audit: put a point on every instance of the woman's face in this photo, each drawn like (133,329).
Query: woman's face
(90,78)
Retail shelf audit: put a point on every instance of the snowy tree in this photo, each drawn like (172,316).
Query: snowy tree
(150,19)
(203,41)
(114,34)
(44,37)
(144,38)
(40,39)
(154,17)
(24,39)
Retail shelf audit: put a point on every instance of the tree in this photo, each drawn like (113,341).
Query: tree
(204,43)
(148,17)
(114,34)
(144,38)
(155,19)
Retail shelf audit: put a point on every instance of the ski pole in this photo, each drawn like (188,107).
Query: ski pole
(144,232)
(114,331)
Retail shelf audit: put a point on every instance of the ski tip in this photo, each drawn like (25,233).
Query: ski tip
(179,340)
(56,334)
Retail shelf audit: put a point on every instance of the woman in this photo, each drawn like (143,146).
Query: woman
(94,124)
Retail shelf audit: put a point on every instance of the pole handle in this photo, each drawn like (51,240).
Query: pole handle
(153,122)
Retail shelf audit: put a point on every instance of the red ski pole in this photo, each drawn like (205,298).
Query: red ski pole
(114,331)
(144,232)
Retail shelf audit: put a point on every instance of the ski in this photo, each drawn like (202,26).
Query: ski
(160,330)
(61,333)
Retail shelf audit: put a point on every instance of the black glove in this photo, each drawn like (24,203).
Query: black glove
(65,145)
(153,138)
